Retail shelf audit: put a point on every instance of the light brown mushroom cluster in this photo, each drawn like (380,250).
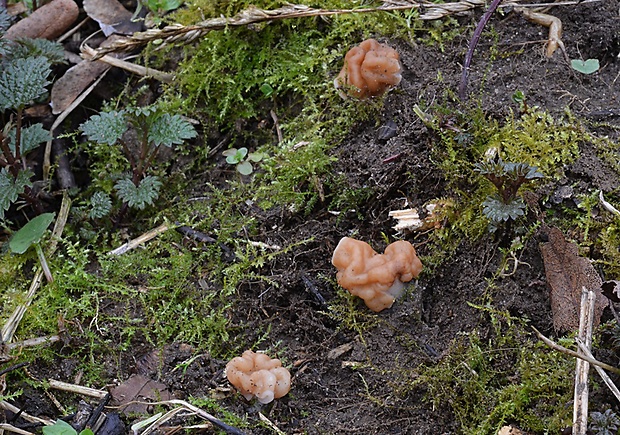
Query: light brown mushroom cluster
(257,375)
(377,278)
(369,70)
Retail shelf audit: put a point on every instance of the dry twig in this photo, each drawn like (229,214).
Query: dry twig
(132,244)
(180,33)
(11,428)
(604,376)
(89,53)
(182,405)
(29,418)
(580,405)
(78,389)
(574,354)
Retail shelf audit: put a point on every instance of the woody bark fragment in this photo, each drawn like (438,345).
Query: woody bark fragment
(567,273)
(48,22)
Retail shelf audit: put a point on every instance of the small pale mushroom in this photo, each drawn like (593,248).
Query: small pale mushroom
(258,375)
(370,70)
(376,278)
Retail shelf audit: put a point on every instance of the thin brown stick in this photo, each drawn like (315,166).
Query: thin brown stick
(47,156)
(132,244)
(11,428)
(30,418)
(89,53)
(604,376)
(33,342)
(574,354)
(582,368)
(78,389)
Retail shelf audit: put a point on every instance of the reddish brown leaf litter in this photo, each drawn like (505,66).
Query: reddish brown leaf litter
(49,21)
(567,273)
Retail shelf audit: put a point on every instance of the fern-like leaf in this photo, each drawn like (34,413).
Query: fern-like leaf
(138,196)
(100,205)
(30,139)
(5,20)
(22,81)
(11,188)
(105,128)
(28,47)
(497,211)
(170,130)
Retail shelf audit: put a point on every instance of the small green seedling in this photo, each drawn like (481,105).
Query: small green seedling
(589,66)
(519,98)
(22,80)
(242,159)
(30,235)
(64,428)
(507,177)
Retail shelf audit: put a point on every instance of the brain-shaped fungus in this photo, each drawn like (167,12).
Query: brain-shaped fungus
(369,70)
(257,375)
(378,279)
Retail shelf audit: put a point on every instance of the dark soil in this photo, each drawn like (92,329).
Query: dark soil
(365,389)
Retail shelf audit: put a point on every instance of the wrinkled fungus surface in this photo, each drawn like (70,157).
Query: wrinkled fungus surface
(377,278)
(257,375)
(369,70)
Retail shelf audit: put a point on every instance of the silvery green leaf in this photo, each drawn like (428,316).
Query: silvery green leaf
(245,168)
(30,139)
(497,211)
(23,80)
(5,20)
(11,188)
(28,47)
(589,66)
(105,128)
(138,196)
(100,204)
(170,130)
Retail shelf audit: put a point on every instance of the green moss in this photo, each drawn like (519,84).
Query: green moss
(346,310)
(536,138)
(503,379)
(294,176)
(467,138)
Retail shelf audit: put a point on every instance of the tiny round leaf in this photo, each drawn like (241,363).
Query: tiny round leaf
(245,168)
(589,66)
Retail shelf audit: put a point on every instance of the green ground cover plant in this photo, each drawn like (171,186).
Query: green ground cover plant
(182,290)
(26,67)
(155,128)
(503,379)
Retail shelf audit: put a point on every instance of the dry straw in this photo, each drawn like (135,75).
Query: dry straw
(185,34)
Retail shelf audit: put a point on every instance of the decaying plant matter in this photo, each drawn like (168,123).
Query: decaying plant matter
(180,33)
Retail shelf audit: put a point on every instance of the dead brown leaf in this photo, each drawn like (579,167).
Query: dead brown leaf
(49,21)
(77,78)
(138,388)
(112,17)
(567,273)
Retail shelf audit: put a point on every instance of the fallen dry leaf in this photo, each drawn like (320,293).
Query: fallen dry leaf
(49,21)
(112,17)
(75,80)
(567,273)
(140,389)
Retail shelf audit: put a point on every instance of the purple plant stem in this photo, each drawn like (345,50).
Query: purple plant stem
(472,46)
